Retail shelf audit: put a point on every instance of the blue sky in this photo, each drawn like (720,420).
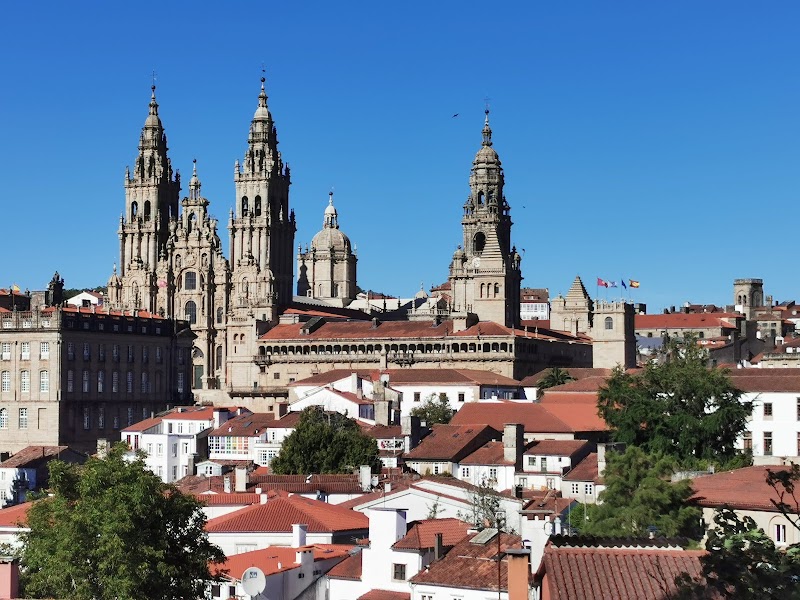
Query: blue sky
(656,141)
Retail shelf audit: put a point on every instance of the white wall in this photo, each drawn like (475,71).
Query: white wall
(783,424)
(228,542)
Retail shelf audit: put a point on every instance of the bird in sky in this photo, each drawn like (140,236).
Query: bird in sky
(455,115)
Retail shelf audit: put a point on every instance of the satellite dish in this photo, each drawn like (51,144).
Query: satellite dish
(253,581)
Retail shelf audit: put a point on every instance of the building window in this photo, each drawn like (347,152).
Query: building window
(101,417)
(70,380)
(129,382)
(158,354)
(130,353)
(130,416)
(531,461)
(44,381)
(609,323)
(493,473)
(159,449)
(417,396)
(748,440)
(767,410)
(115,381)
(85,380)
(145,354)
(185,448)
(191,312)
(576,487)
(5,381)
(87,351)
(5,349)
(543,464)
(180,382)
(461,397)
(398,572)
(101,352)
(115,352)
(767,443)
(23,418)
(3,418)
(25,381)
(87,418)
(465,471)
(70,351)
(780,533)
(588,489)
(101,379)
(436,469)
(191,280)
(115,422)
(25,351)
(145,383)
(219,315)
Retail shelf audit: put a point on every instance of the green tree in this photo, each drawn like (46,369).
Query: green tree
(555,376)
(110,530)
(325,442)
(484,510)
(434,409)
(680,407)
(742,563)
(639,496)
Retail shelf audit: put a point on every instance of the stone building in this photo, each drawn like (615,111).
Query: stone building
(72,375)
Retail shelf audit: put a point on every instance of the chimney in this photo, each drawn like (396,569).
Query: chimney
(410,429)
(226,484)
(355,383)
(365,478)
(217,417)
(241,479)
(381,412)
(513,443)
(557,525)
(299,531)
(190,461)
(438,550)
(519,570)
(263,498)
(601,459)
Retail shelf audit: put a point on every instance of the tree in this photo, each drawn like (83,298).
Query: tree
(679,408)
(484,510)
(742,562)
(639,498)
(325,442)
(110,530)
(555,376)
(434,409)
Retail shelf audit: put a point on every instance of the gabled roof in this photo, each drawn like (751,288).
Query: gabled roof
(577,373)
(452,442)
(32,456)
(766,380)
(471,565)
(384,432)
(280,514)
(422,534)
(619,573)
(587,384)
(577,409)
(556,447)
(490,453)
(534,417)
(687,321)
(244,425)
(15,516)
(586,470)
(412,376)
(742,489)
(276,559)
(349,568)
(385,595)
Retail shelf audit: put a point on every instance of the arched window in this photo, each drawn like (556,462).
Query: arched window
(609,323)
(134,209)
(245,206)
(478,242)
(480,197)
(496,289)
(147,210)
(483,289)
(191,312)
(3,418)
(257,206)
(219,314)
(191,280)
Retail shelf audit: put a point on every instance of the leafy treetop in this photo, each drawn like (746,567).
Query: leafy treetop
(434,409)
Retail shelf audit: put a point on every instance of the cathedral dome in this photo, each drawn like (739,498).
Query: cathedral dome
(487,155)
(331,236)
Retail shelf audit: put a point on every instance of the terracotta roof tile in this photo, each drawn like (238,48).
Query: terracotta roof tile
(556,447)
(385,595)
(244,425)
(766,380)
(422,534)
(471,565)
(490,453)
(452,442)
(14,516)
(349,568)
(743,489)
(276,559)
(577,409)
(587,384)
(32,455)
(586,470)
(281,513)
(577,373)
(534,417)
(619,573)
(687,321)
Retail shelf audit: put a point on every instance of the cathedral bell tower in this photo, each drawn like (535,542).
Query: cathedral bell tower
(485,272)
(262,227)
(151,199)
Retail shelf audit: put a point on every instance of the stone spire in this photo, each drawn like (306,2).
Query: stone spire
(194,183)
(262,153)
(152,162)
(331,216)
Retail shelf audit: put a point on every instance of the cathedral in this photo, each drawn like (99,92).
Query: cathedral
(255,332)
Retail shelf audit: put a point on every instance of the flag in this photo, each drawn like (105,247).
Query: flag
(633,283)
(611,284)
(602,283)
(15,288)
(622,281)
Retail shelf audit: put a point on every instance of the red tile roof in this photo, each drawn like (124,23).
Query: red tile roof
(385,595)
(586,470)
(32,455)
(534,417)
(276,559)
(349,568)
(240,498)
(619,573)
(490,453)
(452,442)
(766,380)
(281,513)
(687,321)
(587,384)
(411,376)
(577,373)
(471,565)
(244,425)
(556,447)
(577,409)
(422,534)
(15,516)
(742,489)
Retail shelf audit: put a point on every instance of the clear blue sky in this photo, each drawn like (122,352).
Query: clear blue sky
(656,141)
